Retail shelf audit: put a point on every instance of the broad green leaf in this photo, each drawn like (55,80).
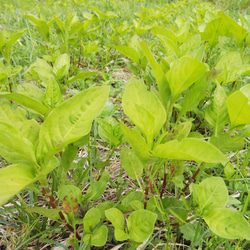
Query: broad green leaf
(68,156)
(103,16)
(70,121)
(191,44)
(163,31)
(229,170)
(235,29)
(131,163)
(61,66)
(116,217)
(137,142)
(226,143)
(52,96)
(211,193)
(102,207)
(53,214)
(106,132)
(128,52)
(233,69)
(227,223)
(216,113)
(65,190)
(144,109)
(26,101)
(190,149)
(41,70)
(95,191)
(158,73)
(130,197)
(141,225)
(14,117)
(30,90)
(80,76)
(197,92)
(15,178)
(171,47)
(13,147)
(213,30)
(91,219)
(238,109)
(99,237)
(183,74)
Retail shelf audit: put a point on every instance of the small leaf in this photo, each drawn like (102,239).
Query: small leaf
(70,202)
(91,219)
(131,163)
(61,66)
(53,214)
(95,191)
(116,217)
(80,76)
(141,225)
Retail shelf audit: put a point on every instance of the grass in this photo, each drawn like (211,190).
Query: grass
(94,51)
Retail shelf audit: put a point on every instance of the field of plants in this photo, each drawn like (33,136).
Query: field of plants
(124,124)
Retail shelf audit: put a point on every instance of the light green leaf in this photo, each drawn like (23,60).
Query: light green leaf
(163,31)
(52,96)
(15,148)
(116,217)
(91,219)
(171,47)
(137,142)
(158,73)
(131,163)
(191,149)
(99,237)
(128,52)
(61,66)
(227,223)
(144,109)
(95,191)
(141,225)
(80,76)
(70,121)
(53,214)
(26,101)
(238,109)
(183,74)
(197,92)
(216,113)
(226,143)
(211,193)
(31,90)
(13,179)
(191,44)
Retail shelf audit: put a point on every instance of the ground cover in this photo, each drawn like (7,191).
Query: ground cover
(124,125)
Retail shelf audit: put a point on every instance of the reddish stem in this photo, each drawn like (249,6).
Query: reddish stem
(164,182)
(53,204)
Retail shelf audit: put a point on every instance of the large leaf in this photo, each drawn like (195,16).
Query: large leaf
(141,225)
(238,109)
(53,214)
(216,113)
(210,194)
(227,223)
(190,149)
(183,74)
(26,101)
(144,109)
(15,148)
(129,52)
(70,121)
(13,179)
